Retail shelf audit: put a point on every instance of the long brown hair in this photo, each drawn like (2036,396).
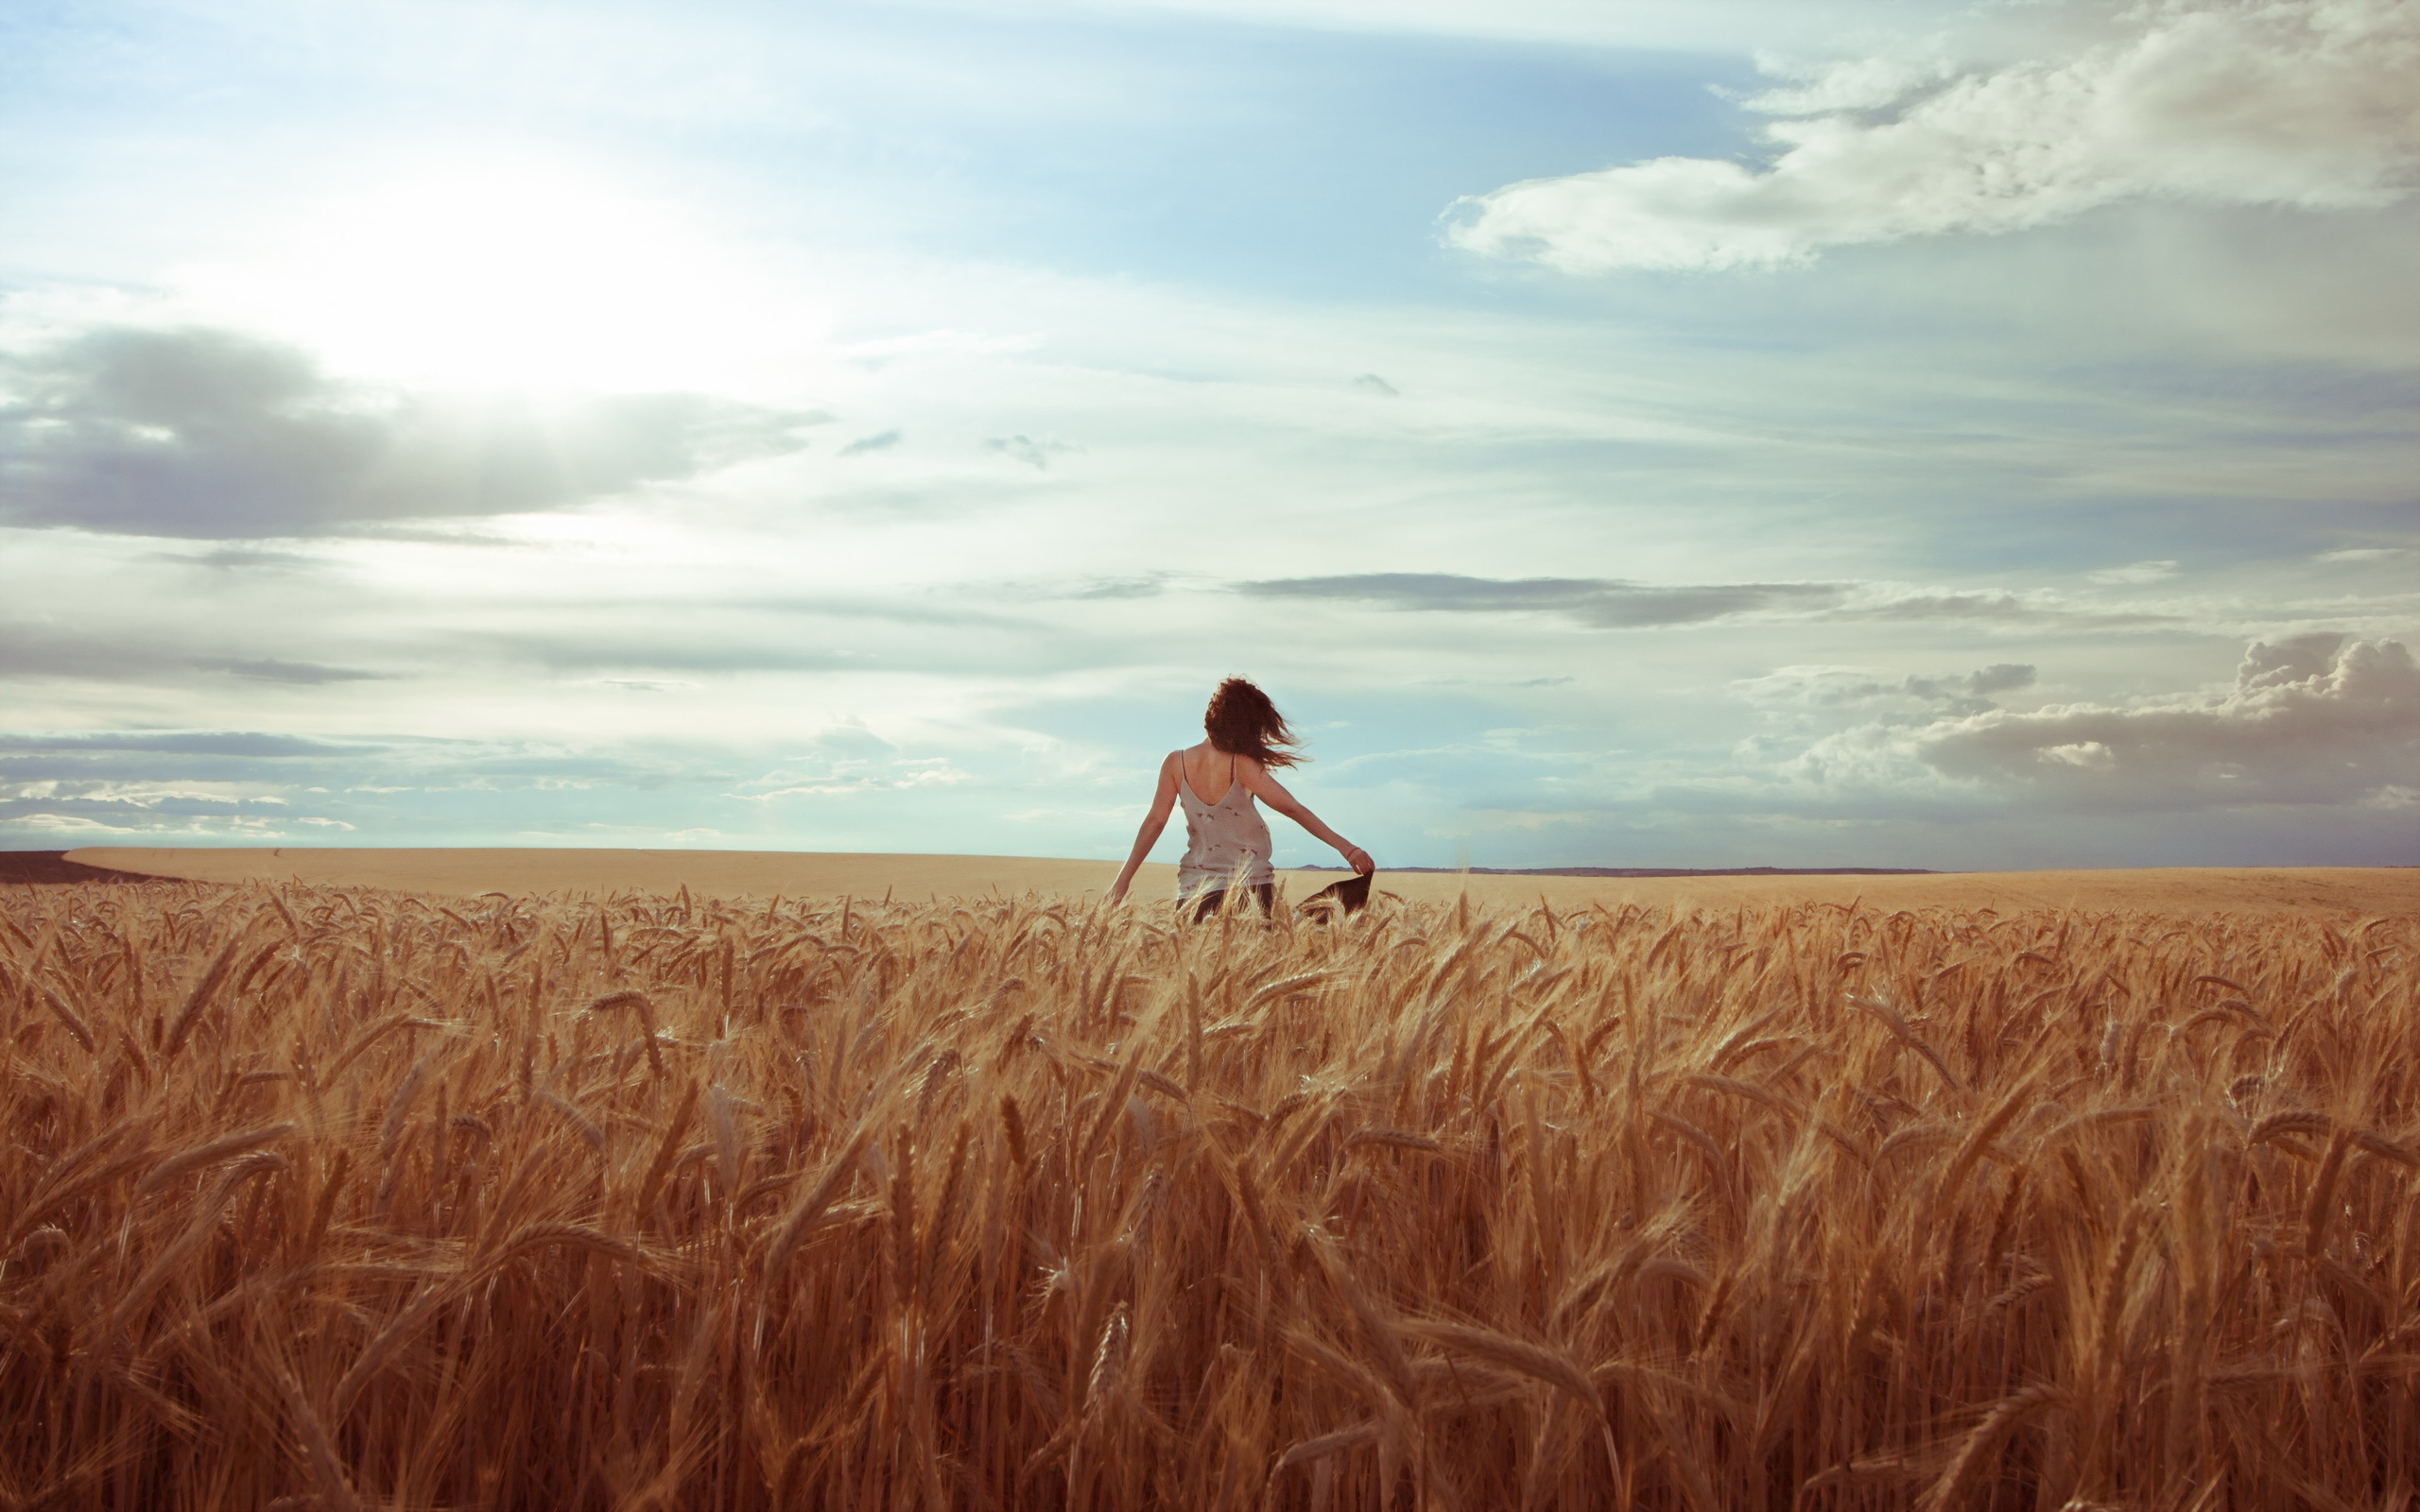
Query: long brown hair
(1243,722)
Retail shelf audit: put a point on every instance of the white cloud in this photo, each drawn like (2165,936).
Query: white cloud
(1834,687)
(934,772)
(1858,84)
(2363,554)
(2140,572)
(1615,604)
(199,827)
(76,824)
(2318,721)
(849,758)
(1691,26)
(213,434)
(2087,753)
(2313,719)
(1033,453)
(2301,103)
(941,344)
(136,794)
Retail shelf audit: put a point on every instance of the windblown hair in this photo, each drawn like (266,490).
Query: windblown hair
(1243,722)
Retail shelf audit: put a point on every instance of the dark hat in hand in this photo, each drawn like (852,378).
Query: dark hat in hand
(1347,897)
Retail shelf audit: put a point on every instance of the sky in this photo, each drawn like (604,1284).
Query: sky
(1883,433)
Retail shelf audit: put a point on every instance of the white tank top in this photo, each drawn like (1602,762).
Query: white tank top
(1222,839)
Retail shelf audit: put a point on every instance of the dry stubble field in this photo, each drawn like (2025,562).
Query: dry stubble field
(347,1198)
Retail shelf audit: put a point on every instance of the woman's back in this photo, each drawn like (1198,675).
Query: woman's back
(1226,840)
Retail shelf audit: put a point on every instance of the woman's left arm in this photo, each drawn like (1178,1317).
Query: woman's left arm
(1260,785)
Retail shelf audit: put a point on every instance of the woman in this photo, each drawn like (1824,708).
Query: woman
(1226,839)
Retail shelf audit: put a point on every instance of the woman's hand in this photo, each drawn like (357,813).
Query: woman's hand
(1116,892)
(1358,859)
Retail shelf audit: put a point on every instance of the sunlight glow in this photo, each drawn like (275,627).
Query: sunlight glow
(513,275)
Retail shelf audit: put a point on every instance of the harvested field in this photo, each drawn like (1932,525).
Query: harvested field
(350,1198)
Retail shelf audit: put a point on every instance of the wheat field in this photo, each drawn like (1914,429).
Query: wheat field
(352,1199)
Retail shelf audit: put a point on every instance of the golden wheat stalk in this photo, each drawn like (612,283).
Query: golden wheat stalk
(1013,1202)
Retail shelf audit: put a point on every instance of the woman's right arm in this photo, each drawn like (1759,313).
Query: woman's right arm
(1162,801)
(1258,783)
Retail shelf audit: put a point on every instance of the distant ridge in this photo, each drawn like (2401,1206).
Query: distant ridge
(46,868)
(1661,871)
